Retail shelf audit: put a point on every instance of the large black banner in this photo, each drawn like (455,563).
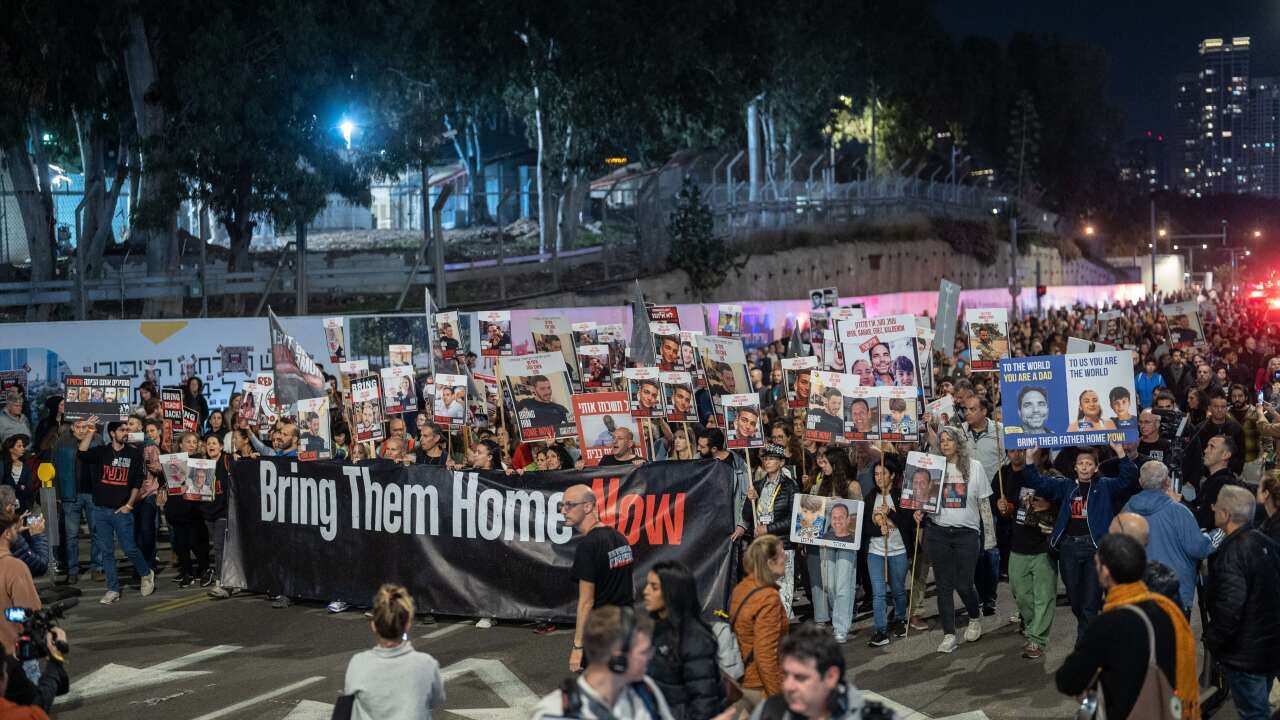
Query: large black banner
(477,544)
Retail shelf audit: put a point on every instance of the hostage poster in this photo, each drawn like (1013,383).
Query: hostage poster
(988,338)
(110,397)
(1068,400)
(538,386)
(724,363)
(881,351)
(598,416)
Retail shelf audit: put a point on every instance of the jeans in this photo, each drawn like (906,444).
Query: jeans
(1249,691)
(817,586)
(72,510)
(986,577)
(897,572)
(1034,581)
(839,580)
(953,551)
(144,528)
(110,526)
(217,536)
(1075,562)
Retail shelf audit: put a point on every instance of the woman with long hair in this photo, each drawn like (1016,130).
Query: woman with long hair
(193,398)
(392,680)
(214,512)
(833,571)
(887,535)
(1269,504)
(1089,414)
(680,447)
(216,424)
(1197,405)
(759,619)
(954,535)
(190,543)
(684,659)
(17,472)
(50,424)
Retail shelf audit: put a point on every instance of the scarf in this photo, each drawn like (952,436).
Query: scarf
(1185,684)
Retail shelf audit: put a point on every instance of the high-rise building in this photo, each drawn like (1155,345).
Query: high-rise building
(1184,148)
(1264,136)
(1145,163)
(1224,83)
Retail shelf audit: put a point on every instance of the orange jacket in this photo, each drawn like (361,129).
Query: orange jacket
(9,711)
(759,626)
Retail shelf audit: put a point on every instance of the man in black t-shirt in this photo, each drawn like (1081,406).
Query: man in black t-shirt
(602,563)
(116,468)
(541,410)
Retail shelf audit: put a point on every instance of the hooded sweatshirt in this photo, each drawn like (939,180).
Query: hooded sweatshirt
(1175,538)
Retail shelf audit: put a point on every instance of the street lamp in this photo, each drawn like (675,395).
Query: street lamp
(1089,230)
(347,128)
(1162,232)
(1257,233)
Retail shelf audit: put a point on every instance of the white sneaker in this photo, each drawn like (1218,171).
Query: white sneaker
(338,606)
(1015,619)
(973,632)
(110,598)
(484,623)
(148,583)
(949,644)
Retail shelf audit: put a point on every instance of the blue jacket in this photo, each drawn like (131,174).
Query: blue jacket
(1104,494)
(34,552)
(1175,538)
(1146,387)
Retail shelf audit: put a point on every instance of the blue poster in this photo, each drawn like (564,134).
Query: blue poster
(1067,400)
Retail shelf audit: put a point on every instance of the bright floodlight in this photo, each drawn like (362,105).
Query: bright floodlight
(1162,232)
(1257,233)
(1088,230)
(346,127)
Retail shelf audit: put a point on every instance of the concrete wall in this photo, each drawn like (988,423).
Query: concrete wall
(903,266)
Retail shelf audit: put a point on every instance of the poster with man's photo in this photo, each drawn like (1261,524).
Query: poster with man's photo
(827,297)
(174,466)
(200,480)
(584,333)
(677,396)
(448,335)
(899,413)
(399,396)
(450,402)
(1068,400)
(644,391)
(881,351)
(598,416)
(666,346)
(863,406)
(495,333)
(924,354)
(988,337)
(399,355)
(539,388)
(593,366)
(725,365)
(826,521)
(235,359)
(742,427)
(1110,321)
(366,404)
(729,321)
(110,397)
(1185,328)
(827,419)
(614,336)
(922,482)
(314,439)
(795,378)
(335,339)
(552,335)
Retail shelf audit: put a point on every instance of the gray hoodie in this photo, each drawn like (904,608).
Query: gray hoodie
(394,684)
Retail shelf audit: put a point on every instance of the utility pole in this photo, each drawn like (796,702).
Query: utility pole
(1153,248)
(1038,283)
(1013,258)
(300,283)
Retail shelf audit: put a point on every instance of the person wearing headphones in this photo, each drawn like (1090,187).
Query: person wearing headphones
(613,685)
(813,682)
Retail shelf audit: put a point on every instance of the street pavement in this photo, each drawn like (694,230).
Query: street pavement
(182,656)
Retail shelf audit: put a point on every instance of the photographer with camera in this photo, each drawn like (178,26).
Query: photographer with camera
(813,683)
(30,544)
(28,691)
(17,589)
(1172,441)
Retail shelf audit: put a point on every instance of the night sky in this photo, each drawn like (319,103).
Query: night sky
(1149,42)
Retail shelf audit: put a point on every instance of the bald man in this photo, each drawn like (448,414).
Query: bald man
(1133,525)
(602,563)
(1159,578)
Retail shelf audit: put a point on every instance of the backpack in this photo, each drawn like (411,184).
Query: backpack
(728,653)
(1156,700)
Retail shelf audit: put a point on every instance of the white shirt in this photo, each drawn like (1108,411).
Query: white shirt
(628,706)
(978,488)
(884,502)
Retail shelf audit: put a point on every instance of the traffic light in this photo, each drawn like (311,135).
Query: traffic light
(1041,291)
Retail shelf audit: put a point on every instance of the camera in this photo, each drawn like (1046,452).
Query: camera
(33,641)
(1170,419)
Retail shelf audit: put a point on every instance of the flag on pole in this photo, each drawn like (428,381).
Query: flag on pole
(296,375)
(641,341)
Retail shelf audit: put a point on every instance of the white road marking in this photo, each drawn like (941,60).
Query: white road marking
(112,678)
(310,710)
(905,713)
(446,630)
(230,709)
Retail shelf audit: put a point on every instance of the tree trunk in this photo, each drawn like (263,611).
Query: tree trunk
(100,196)
(240,233)
(755,163)
(544,202)
(155,220)
(479,205)
(569,211)
(35,204)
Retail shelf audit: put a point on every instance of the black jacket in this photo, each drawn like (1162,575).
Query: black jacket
(1208,495)
(1116,642)
(686,669)
(1243,598)
(780,522)
(904,519)
(1271,526)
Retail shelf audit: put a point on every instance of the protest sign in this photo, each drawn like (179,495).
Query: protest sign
(1077,346)
(398,393)
(724,363)
(366,403)
(729,320)
(268,403)
(677,394)
(827,297)
(1067,400)
(924,354)
(666,344)
(795,378)
(171,404)
(943,409)
(944,338)
(689,357)
(742,421)
(1185,328)
(174,466)
(107,396)
(482,400)
(663,314)
(13,379)
(201,476)
(826,521)
(988,337)
(614,336)
(899,413)
(593,365)
(465,542)
(495,333)
(235,359)
(249,402)
(448,335)
(1110,321)
(450,403)
(296,374)
(922,482)
(190,420)
(538,386)
(552,335)
(399,355)
(584,333)
(830,393)
(315,441)
(597,416)
(354,368)
(881,350)
(335,339)
(644,394)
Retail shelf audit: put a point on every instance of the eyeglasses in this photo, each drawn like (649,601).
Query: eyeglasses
(562,506)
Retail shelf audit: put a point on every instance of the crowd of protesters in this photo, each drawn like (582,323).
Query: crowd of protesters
(1200,477)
